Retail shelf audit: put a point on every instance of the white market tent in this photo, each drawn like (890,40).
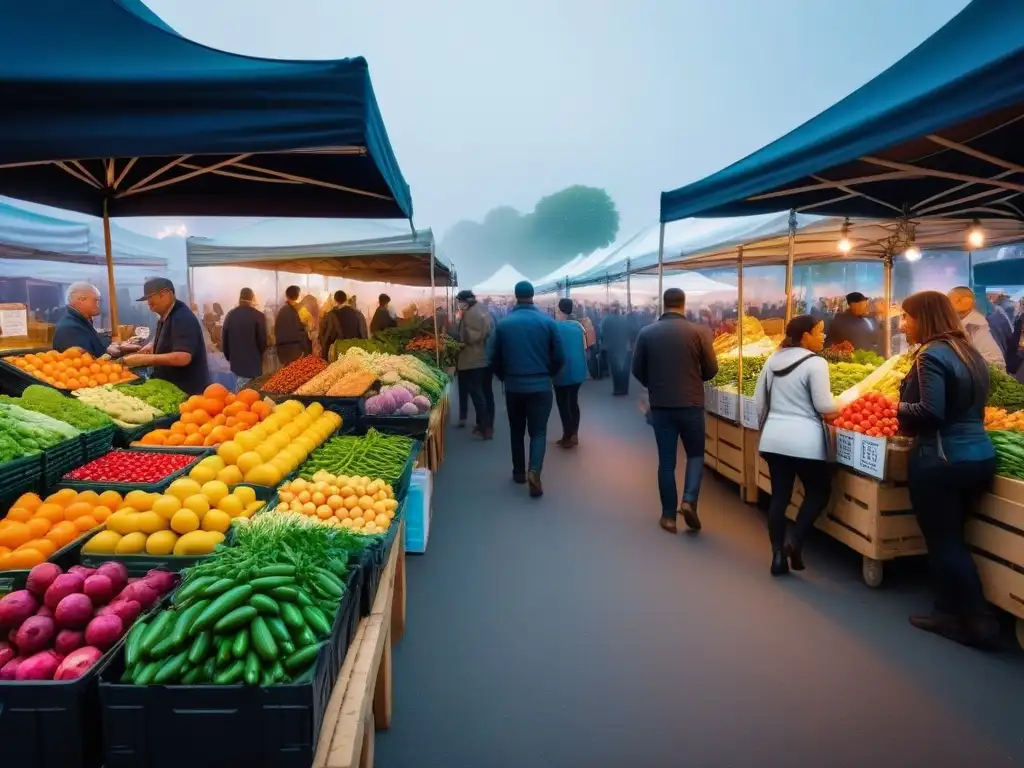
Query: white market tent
(357,249)
(567,274)
(501,283)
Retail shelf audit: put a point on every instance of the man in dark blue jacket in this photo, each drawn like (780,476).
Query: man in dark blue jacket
(244,339)
(526,355)
(75,329)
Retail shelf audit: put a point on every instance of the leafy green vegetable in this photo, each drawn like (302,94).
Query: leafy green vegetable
(159,394)
(1004,390)
(24,432)
(1009,453)
(842,376)
(50,402)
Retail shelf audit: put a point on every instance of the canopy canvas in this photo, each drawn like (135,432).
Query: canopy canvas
(938,134)
(358,249)
(566,276)
(501,283)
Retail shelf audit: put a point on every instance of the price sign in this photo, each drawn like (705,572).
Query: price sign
(13,322)
(750,418)
(870,456)
(846,447)
(728,405)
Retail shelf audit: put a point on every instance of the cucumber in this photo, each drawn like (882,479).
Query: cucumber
(278,629)
(316,620)
(305,637)
(219,587)
(146,673)
(252,668)
(131,645)
(268,583)
(231,675)
(302,658)
(200,647)
(238,618)
(209,670)
(156,632)
(277,670)
(287,647)
(327,583)
(170,672)
(220,607)
(163,648)
(263,640)
(185,621)
(128,675)
(267,678)
(224,649)
(291,595)
(280,569)
(192,588)
(193,676)
(240,645)
(292,617)
(265,605)
(337,566)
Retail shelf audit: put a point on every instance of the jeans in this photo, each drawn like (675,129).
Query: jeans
(618,363)
(567,399)
(464,387)
(671,425)
(528,412)
(817,480)
(943,495)
(478,382)
(594,362)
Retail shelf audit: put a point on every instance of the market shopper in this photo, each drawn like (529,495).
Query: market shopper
(343,322)
(75,329)
(384,316)
(291,328)
(673,358)
(854,325)
(244,339)
(475,378)
(526,355)
(572,374)
(952,464)
(976,326)
(178,351)
(617,343)
(793,398)
(592,356)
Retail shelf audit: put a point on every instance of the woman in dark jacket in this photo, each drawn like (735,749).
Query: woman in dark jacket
(942,404)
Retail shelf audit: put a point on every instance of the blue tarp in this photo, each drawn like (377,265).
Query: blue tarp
(966,83)
(85,80)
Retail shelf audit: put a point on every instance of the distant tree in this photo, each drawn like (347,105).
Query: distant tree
(576,220)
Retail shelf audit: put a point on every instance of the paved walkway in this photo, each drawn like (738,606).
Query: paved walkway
(572,632)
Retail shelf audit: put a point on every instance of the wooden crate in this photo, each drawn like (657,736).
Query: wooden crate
(729,459)
(996,537)
(711,441)
(432,454)
(361,702)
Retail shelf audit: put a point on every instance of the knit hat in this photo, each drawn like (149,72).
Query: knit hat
(524,289)
(565,306)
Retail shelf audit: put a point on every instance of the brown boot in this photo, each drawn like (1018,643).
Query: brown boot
(668,524)
(689,513)
(574,441)
(533,480)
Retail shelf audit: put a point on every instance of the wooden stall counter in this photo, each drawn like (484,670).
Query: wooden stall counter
(996,537)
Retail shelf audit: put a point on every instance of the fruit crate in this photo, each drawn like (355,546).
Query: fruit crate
(61,459)
(196,450)
(125,436)
(351,409)
(410,426)
(65,557)
(97,442)
(20,476)
(13,380)
(139,565)
(373,560)
(123,488)
(213,726)
(346,621)
(401,486)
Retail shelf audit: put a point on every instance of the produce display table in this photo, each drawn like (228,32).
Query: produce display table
(432,454)
(731,451)
(996,536)
(361,702)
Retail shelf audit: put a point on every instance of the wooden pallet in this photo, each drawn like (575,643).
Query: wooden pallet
(730,463)
(996,537)
(361,702)
(710,441)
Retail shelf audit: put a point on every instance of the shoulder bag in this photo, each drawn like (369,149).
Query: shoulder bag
(830,451)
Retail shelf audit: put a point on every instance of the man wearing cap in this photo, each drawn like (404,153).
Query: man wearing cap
(526,355)
(855,325)
(177,352)
(244,339)
(474,331)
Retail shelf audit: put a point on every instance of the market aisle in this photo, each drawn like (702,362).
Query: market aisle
(574,632)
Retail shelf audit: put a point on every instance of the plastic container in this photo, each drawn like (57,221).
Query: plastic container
(97,442)
(123,488)
(417,512)
(196,450)
(351,409)
(61,459)
(215,726)
(410,426)
(65,557)
(20,476)
(139,565)
(125,436)
(13,380)
(373,561)
(401,486)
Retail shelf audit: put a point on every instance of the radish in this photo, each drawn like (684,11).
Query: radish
(16,607)
(99,589)
(84,571)
(34,635)
(64,585)
(104,631)
(117,574)
(44,611)
(41,666)
(73,612)
(10,669)
(41,577)
(140,592)
(68,640)
(126,610)
(162,581)
(77,663)
(7,653)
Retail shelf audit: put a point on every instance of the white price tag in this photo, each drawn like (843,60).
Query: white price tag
(728,405)
(13,322)
(870,456)
(710,399)
(846,447)
(750,417)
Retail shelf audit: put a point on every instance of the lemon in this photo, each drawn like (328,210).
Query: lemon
(263,474)
(215,490)
(161,543)
(253,508)
(185,521)
(132,544)
(214,461)
(245,494)
(245,441)
(184,487)
(230,451)
(123,521)
(217,520)
(232,505)
(382,521)
(267,451)
(151,522)
(202,474)
(166,506)
(231,475)
(197,503)
(140,501)
(198,543)
(248,461)
(315,409)
(103,543)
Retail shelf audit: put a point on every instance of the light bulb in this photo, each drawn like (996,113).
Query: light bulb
(913,253)
(844,245)
(976,237)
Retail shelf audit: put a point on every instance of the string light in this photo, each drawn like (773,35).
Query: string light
(976,236)
(913,253)
(844,245)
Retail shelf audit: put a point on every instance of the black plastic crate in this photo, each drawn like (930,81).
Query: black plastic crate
(372,562)
(125,436)
(401,486)
(410,426)
(202,451)
(346,621)
(24,472)
(61,459)
(97,442)
(351,409)
(123,488)
(140,564)
(13,380)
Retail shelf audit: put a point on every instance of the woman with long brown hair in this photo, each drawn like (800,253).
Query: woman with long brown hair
(942,404)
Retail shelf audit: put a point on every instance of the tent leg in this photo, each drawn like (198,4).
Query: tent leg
(887,331)
(433,307)
(661,268)
(789,266)
(629,292)
(115,329)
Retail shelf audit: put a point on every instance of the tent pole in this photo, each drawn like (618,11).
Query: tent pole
(115,329)
(661,268)
(191,285)
(887,292)
(789,266)
(629,293)
(970,270)
(433,306)
(739,325)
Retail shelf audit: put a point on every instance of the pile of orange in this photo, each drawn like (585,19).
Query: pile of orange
(212,418)
(35,528)
(71,369)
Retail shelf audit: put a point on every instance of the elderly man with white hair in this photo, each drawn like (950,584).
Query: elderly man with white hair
(75,329)
(977,327)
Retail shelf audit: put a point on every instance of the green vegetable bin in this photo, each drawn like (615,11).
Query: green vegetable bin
(123,488)
(97,442)
(124,436)
(20,476)
(61,459)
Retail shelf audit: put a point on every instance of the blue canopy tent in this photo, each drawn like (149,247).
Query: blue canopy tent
(108,111)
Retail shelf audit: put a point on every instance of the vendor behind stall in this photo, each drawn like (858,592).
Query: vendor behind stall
(178,350)
(75,329)
(854,325)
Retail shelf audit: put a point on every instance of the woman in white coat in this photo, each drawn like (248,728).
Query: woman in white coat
(794,397)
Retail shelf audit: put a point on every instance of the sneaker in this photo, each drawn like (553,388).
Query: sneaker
(536,489)
(689,513)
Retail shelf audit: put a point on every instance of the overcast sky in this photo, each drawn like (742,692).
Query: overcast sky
(492,103)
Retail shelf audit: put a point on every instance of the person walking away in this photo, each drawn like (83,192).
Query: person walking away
(793,396)
(75,329)
(1000,323)
(526,354)
(854,325)
(952,464)
(572,375)
(342,322)
(976,326)
(588,328)
(474,331)
(244,339)
(673,358)
(291,328)
(616,342)
(382,317)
